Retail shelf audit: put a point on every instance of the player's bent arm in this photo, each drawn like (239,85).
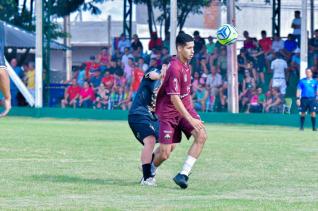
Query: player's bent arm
(176,101)
(154,76)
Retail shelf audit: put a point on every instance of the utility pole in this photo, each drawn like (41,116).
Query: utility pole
(38,55)
(173,26)
(67,43)
(304,38)
(232,77)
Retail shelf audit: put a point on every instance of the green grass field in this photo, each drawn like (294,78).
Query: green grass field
(93,165)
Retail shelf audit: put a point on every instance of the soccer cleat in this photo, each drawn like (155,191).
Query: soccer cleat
(314,129)
(181,180)
(151,181)
(301,129)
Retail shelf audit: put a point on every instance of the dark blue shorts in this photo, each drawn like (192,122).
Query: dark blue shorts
(308,104)
(143,126)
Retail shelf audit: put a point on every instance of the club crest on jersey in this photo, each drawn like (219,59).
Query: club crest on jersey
(167,136)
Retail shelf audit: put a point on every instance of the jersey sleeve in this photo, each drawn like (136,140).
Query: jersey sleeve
(300,85)
(173,83)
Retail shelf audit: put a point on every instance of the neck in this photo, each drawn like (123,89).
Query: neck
(182,59)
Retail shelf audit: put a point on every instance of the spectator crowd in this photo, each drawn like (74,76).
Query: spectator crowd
(266,69)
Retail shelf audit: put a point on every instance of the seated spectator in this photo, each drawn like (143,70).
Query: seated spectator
(96,79)
(137,76)
(248,86)
(81,75)
(142,65)
(223,96)
(71,95)
(86,96)
(248,42)
(277,44)
(13,88)
(164,55)
(313,48)
(195,82)
(254,106)
(279,68)
(242,64)
(214,82)
(108,80)
(104,57)
(222,63)
(118,98)
(276,102)
(155,42)
(204,68)
(136,44)
(30,78)
(200,98)
(210,46)
(102,97)
(290,46)
(123,43)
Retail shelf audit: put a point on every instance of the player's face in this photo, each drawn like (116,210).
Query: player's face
(187,50)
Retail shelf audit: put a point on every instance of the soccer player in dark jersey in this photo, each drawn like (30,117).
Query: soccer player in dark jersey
(4,78)
(307,92)
(176,113)
(143,121)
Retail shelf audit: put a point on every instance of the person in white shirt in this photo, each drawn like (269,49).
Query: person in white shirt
(142,65)
(214,82)
(126,56)
(279,68)
(296,25)
(278,44)
(123,43)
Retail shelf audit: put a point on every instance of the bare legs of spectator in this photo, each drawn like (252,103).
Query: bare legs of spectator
(5,89)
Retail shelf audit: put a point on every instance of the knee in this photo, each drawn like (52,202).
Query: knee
(165,154)
(202,137)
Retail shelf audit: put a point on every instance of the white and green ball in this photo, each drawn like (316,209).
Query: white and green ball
(227,34)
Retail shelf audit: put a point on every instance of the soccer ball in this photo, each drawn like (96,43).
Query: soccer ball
(226,34)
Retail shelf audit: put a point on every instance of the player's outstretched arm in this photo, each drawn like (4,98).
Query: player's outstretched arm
(196,123)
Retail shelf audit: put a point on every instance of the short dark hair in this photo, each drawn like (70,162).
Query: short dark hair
(263,32)
(183,38)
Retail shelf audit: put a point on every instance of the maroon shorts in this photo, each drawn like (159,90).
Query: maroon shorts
(170,129)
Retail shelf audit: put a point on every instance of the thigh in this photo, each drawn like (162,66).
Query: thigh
(185,126)
(169,132)
(312,107)
(304,105)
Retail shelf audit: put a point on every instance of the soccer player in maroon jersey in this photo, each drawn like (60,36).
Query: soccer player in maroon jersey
(176,112)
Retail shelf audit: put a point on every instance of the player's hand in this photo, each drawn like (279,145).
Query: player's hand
(197,124)
(164,70)
(298,102)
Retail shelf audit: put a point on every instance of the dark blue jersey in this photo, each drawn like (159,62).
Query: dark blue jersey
(308,87)
(145,100)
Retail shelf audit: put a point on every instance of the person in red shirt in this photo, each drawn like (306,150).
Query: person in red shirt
(137,76)
(108,80)
(104,57)
(176,113)
(86,96)
(71,95)
(155,42)
(266,44)
(91,65)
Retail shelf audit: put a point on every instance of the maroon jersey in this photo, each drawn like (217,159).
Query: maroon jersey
(176,82)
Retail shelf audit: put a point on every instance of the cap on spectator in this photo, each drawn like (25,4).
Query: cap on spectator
(297,50)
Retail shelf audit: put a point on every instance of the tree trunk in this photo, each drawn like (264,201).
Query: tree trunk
(149,8)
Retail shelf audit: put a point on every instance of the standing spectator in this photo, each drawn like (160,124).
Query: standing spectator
(86,97)
(81,75)
(259,61)
(266,45)
(71,95)
(166,41)
(276,102)
(123,43)
(195,81)
(91,66)
(248,42)
(30,78)
(279,67)
(137,76)
(198,42)
(142,65)
(294,66)
(104,57)
(136,44)
(313,48)
(222,63)
(165,55)
(155,42)
(128,71)
(296,25)
(13,88)
(210,46)
(126,57)
(278,44)
(290,46)
(242,64)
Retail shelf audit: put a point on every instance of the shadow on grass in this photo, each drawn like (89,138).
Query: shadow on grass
(75,179)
